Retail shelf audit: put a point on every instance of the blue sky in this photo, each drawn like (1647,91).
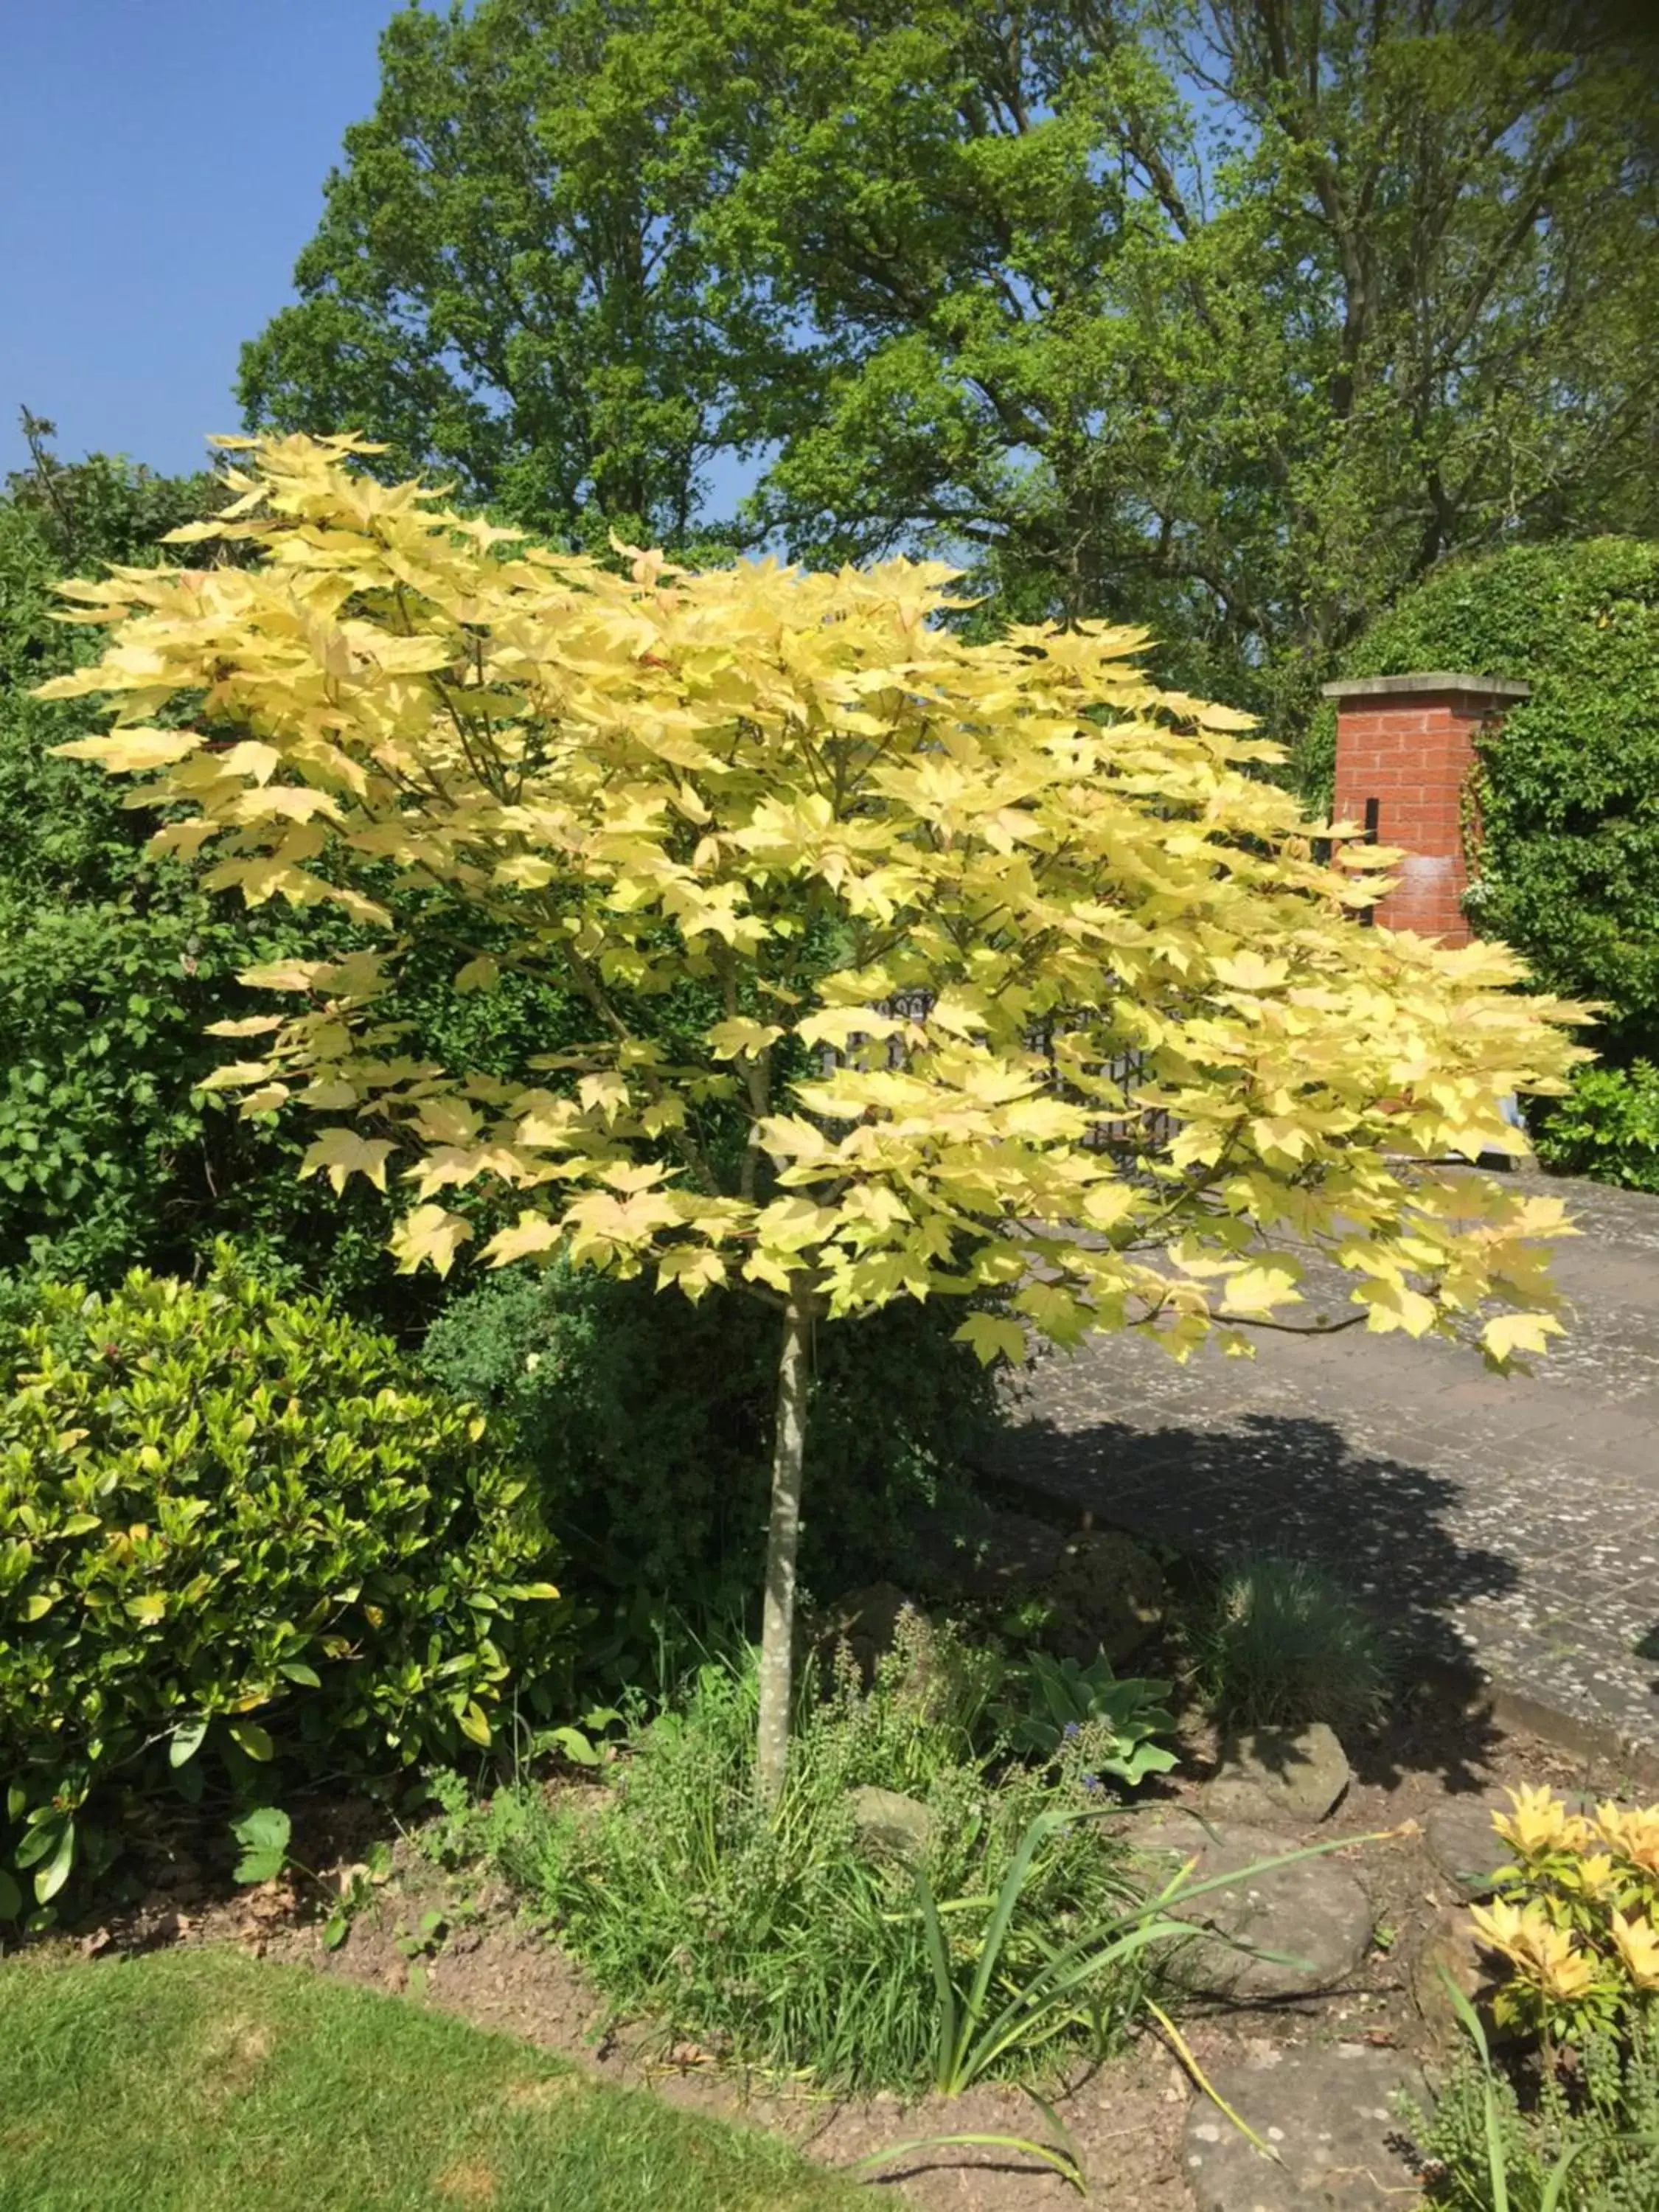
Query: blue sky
(161,165)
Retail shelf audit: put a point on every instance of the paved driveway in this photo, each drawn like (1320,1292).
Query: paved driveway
(1518,1519)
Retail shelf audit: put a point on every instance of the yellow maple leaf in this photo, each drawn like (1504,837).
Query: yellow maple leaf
(1395,1305)
(430,1234)
(1505,1334)
(691,1268)
(740,1036)
(342,1153)
(837,1026)
(130,752)
(532,1233)
(235,1075)
(1262,1289)
(282,974)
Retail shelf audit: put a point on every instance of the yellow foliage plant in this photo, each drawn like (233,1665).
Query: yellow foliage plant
(1575,1918)
(934,893)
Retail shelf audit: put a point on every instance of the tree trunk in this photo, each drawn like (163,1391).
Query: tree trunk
(783,1536)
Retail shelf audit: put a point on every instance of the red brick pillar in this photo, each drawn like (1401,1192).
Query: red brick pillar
(1405,746)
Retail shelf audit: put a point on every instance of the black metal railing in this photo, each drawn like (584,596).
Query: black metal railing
(1137,1130)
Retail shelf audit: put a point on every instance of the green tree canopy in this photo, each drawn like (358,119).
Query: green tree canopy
(1234,316)
(511,281)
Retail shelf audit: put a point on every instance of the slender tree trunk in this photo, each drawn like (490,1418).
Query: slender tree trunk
(783,1536)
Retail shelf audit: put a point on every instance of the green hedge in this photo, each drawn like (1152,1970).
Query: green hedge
(238,1538)
(112,964)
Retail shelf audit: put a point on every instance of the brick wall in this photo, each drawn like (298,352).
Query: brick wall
(1407,743)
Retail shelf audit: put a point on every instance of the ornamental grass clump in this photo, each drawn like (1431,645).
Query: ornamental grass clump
(796,1940)
(1275,1643)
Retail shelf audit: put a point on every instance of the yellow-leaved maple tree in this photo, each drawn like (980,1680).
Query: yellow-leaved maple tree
(932,895)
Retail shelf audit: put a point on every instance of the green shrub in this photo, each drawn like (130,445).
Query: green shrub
(114,963)
(1277,1644)
(1573,1917)
(1541,2127)
(1568,869)
(234,1529)
(1608,1125)
(648,1421)
(785,1940)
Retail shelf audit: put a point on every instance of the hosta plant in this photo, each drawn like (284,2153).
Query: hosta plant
(1102,1723)
(233,1533)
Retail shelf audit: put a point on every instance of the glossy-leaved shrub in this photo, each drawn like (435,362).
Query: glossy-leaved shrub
(236,1534)
(1608,1125)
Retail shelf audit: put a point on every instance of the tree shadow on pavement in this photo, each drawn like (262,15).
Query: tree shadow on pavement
(1291,1485)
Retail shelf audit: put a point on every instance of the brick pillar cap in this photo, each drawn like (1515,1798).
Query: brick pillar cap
(1433,679)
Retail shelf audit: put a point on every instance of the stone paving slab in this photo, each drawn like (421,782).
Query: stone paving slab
(1516,1520)
(1329,2113)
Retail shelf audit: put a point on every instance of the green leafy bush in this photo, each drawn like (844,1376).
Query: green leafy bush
(1575,1916)
(1275,1643)
(234,1529)
(1565,2118)
(648,1421)
(1112,1720)
(1608,1125)
(791,1941)
(1568,862)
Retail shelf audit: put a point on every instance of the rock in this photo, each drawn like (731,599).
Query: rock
(1313,1912)
(1244,1803)
(1108,1595)
(1327,2110)
(1454,1952)
(998,1555)
(886,1821)
(1463,1844)
(1301,1773)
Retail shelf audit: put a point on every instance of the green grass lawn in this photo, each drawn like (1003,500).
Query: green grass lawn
(203,2081)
